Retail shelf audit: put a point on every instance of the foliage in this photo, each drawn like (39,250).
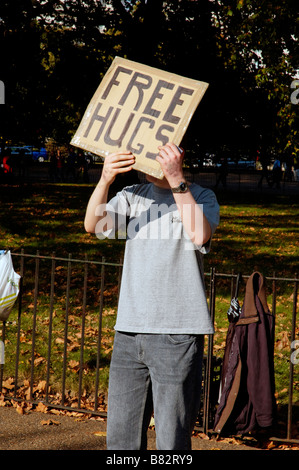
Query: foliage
(55,53)
(259,39)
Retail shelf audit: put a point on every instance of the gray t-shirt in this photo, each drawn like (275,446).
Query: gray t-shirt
(162,289)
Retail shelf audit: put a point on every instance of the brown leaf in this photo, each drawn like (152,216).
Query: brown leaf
(50,422)
(20,408)
(41,408)
(8,384)
(59,341)
(74,346)
(100,433)
(202,435)
(2,401)
(39,361)
(74,365)
(41,386)
(283,342)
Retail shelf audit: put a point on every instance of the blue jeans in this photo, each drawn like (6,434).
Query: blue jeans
(154,372)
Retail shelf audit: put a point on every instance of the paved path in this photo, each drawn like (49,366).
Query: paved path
(47,431)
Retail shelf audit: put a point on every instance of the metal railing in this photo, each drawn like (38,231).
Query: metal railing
(36,281)
(58,294)
(275,280)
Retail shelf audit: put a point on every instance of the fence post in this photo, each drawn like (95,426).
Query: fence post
(2,354)
(66,322)
(291,373)
(50,324)
(99,334)
(83,330)
(207,387)
(19,322)
(34,322)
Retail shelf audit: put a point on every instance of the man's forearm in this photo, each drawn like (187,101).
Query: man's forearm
(98,198)
(194,221)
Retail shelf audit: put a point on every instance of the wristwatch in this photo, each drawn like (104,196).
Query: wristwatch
(182,188)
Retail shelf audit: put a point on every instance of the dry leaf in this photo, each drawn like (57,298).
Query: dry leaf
(8,384)
(3,402)
(41,408)
(53,411)
(59,341)
(38,361)
(283,342)
(100,433)
(20,408)
(74,365)
(41,386)
(50,422)
(202,435)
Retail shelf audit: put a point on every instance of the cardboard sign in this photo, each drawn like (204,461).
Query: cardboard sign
(138,108)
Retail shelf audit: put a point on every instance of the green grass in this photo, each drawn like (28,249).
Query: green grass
(257,232)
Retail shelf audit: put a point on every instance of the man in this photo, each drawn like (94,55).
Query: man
(162,314)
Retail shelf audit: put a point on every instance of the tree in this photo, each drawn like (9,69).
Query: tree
(56,52)
(54,55)
(259,41)
(20,71)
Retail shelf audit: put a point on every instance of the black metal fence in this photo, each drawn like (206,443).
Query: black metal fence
(59,339)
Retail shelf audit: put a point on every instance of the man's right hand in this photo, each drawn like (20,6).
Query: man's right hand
(116,163)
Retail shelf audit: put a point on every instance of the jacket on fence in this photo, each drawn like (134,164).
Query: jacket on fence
(247,384)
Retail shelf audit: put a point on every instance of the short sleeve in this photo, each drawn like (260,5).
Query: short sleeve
(208,200)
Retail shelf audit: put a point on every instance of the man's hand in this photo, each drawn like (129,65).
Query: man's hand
(116,163)
(171,161)
(193,218)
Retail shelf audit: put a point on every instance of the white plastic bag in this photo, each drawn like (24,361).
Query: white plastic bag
(9,285)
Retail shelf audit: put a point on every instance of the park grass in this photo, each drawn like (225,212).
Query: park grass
(257,232)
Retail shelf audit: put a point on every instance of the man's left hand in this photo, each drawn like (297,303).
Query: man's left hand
(171,160)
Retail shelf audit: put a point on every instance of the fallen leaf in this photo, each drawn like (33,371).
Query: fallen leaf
(8,384)
(203,436)
(59,341)
(20,408)
(41,386)
(38,361)
(3,402)
(50,422)
(100,433)
(41,408)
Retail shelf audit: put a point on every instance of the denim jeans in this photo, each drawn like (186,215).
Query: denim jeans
(154,372)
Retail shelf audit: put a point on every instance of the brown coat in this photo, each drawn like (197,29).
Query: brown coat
(247,394)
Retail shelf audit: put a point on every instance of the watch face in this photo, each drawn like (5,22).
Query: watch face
(183,187)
